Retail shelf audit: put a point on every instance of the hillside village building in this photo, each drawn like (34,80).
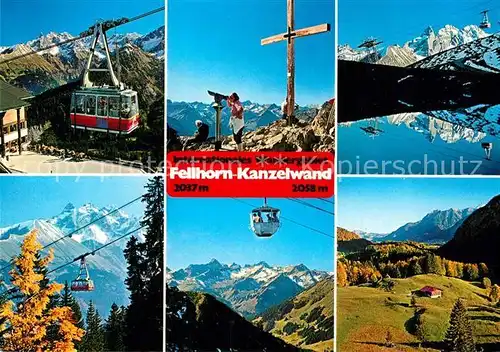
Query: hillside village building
(13,121)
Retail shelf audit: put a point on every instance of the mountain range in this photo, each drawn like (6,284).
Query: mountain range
(248,289)
(439,226)
(141,57)
(182,116)
(428,44)
(107,267)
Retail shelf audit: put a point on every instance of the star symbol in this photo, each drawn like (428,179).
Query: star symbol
(262,160)
(280,160)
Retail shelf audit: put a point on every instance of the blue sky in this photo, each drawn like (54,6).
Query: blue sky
(397,21)
(382,205)
(28,198)
(214,45)
(24,20)
(202,229)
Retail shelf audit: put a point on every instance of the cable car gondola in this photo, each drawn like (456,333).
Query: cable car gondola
(83,281)
(264,221)
(485,23)
(106,108)
(487,146)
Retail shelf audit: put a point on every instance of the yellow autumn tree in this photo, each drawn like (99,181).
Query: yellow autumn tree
(27,320)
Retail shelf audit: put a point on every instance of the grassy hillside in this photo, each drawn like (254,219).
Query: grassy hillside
(366,315)
(305,321)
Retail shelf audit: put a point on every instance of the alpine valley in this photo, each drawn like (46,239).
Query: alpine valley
(383,278)
(107,267)
(259,299)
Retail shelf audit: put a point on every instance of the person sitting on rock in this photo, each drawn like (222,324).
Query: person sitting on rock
(201,134)
(284,109)
(237,122)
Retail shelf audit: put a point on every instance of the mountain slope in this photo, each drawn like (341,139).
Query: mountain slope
(198,321)
(436,227)
(249,289)
(348,241)
(306,320)
(480,55)
(478,238)
(141,58)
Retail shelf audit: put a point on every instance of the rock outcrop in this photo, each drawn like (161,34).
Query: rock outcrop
(317,134)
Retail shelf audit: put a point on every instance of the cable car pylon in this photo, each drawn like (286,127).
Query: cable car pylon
(106,108)
(264,220)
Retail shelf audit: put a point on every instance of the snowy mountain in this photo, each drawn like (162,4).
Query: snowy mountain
(430,42)
(249,289)
(427,44)
(480,55)
(141,60)
(371,236)
(438,226)
(153,42)
(107,267)
(182,116)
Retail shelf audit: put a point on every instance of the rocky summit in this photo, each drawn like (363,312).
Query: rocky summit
(316,134)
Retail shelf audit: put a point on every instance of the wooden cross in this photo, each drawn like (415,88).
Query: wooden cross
(290,36)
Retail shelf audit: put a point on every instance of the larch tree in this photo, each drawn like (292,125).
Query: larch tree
(459,336)
(28,320)
(341,275)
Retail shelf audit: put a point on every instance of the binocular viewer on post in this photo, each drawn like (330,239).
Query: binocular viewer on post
(218,98)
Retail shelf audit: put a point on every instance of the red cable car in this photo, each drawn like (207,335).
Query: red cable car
(83,281)
(105,108)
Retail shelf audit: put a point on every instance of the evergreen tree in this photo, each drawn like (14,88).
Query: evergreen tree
(420,327)
(459,337)
(144,315)
(415,268)
(114,329)
(29,320)
(93,341)
(67,300)
(135,316)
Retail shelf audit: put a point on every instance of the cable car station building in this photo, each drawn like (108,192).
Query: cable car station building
(13,122)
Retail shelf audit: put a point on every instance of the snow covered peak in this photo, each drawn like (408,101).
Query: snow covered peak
(430,42)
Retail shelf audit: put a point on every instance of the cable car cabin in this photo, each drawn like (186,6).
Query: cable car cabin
(105,109)
(82,285)
(264,221)
(485,24)
(82,281)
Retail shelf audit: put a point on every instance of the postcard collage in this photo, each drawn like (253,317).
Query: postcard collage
(250,175)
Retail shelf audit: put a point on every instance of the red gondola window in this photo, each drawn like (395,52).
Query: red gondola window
(102,106)
(90,105)
(114,106)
